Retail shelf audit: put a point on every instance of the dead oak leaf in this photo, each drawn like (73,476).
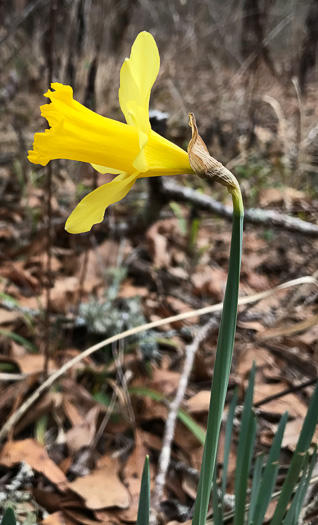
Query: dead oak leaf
(83,434)
(32,453)
(102,488)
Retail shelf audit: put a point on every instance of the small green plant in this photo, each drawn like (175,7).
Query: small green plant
(144,500)
(255,480)
(112,314)
(8,517)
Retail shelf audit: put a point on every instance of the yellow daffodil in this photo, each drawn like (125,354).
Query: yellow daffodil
(130,150)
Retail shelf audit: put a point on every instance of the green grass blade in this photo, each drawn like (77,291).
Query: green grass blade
(216,501)
(270,473)
(255,484)
(244,451)
(245,467)
(144,499)
(192,425)
(297,461)
(222,368)
(20,340)
(8,517)
(294,510)
(183,416)
(227,444)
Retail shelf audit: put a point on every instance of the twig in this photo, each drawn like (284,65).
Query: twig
(268,218)
(16,416)
(164,458)
(285,392)
(47,320)
(266,41)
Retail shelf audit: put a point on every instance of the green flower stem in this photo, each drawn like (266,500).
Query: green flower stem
(222,365)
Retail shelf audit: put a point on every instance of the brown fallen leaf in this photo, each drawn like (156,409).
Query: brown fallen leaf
(51,401)
(178,307)
(292,432)
(102,488)
(15,272)
(128,289)
(261,356)
(174,522)
(32,453)
(157,237)
(158,245)
(33,363)
(83,434)
(277,196)
(64,293)
(290,402)
(199,402)
(288,329)
(81,518)
(57,518)
(184,438)
(6,316)
(165,381)
(209,280)
(50,501)
(152,441)
(132,477)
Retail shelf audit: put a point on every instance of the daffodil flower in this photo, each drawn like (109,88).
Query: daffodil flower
(129,150)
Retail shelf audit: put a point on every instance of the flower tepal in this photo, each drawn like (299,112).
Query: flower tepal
(130,150)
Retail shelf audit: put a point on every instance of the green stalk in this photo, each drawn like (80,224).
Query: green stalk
(144,498)
(222,365)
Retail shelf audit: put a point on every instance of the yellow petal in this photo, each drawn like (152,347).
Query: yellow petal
(103,169)
(78,133)
(137,77)
(91,209)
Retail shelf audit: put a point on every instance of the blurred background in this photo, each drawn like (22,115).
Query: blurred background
(248,70)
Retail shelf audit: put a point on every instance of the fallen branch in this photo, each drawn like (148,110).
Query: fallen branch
(268,218)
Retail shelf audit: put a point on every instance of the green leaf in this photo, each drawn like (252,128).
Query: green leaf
(20,340)
(177,210)
(245,451)
(270,473)
(227,444)
(217,503)
(8,517)
(255,485)
(298,500)
(298,459)
(144,499)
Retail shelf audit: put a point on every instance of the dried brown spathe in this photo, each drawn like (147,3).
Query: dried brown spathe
(206,166)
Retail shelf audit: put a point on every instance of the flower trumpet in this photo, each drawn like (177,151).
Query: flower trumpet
(130,150)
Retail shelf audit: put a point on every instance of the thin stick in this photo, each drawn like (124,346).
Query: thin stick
(164,458)
(268,218)
(137,330)
(285,392)
(47,319)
